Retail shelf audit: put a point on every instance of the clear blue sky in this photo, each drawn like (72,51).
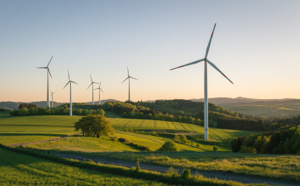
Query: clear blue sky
(256,44)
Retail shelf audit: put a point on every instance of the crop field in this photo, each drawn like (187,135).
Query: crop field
(266,109)
(19,169)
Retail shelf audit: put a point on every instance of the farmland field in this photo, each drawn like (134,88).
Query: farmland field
(19,169)
(286,109)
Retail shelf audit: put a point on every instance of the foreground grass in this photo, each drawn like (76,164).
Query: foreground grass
(281,167)
(36,170)
(19,169)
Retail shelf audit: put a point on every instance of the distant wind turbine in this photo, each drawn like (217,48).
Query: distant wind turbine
(99,92)
(48,73)
(52,99)
(92,83)
(128,77)
(70,92)
(205,82)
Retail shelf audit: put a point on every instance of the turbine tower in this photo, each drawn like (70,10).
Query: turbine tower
(205,82)
(48,73)
(70,92)
(52,99)
(92,83)
(128,77)
(99,92)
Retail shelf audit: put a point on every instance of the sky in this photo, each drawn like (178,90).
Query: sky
(256,44)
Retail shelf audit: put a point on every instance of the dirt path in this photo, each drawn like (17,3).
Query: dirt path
(218,175)
(43,141)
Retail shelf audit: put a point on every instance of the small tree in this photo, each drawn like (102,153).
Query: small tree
(168,146)
(94,125)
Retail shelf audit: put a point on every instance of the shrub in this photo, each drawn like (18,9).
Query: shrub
(168,146)
(237,143)
(245,149)
(183,139)
(215,148)
(140,147)
(124,140)
(186,173)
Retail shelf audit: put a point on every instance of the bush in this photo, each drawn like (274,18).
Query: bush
(183,139)
(140,147)
(168,146)
(237,143)
(124,140)
(186,174)
(215,148)
(245,149)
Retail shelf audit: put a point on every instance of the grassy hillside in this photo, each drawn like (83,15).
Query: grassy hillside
(38,128)
(19,169)
(24,129)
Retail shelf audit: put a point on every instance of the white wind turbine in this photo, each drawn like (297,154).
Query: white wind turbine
(205,82)
(92,83)
(52,98)
(48,73)
(70,92)
(100,90)
(128,77)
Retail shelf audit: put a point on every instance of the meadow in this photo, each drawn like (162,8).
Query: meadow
(197,155)
(20,169)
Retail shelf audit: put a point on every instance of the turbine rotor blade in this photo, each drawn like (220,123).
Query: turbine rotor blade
(128,71)
(194,62)
(66,84)
(91,78)
(219,70)
(69,75)
(208,46)
(74,82)
(50,61)
(41,67)
(132,78)
(90,85)
(49,72)
(125,79)
(101,90)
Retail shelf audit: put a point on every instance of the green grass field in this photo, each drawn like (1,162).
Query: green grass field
(36,128)
(23,129)
(19,169)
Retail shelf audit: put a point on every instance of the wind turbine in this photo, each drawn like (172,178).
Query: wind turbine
(48,73)
(128,77)
(92,83)
(99,92)
(205,82)
(52,98)
(70,92)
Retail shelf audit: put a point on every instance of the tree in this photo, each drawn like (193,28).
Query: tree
(94,125)
(168,146)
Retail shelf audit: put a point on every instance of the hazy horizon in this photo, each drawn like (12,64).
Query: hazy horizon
(256,44)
